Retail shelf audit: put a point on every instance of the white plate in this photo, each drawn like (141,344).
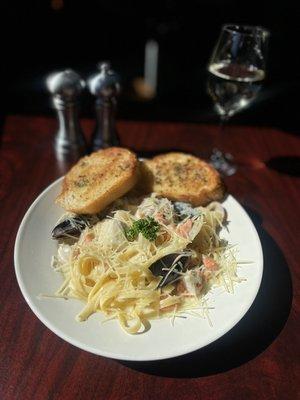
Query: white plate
(33,252)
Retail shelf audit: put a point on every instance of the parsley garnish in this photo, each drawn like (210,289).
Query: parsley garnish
(148,227)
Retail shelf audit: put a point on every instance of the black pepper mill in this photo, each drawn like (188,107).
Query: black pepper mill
(106,87)
(66,87)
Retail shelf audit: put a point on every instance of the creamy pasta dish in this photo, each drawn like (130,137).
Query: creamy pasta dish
(144,258)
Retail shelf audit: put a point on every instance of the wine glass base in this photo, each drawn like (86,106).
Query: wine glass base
(223,162)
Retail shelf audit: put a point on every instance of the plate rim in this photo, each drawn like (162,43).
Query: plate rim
(104,353)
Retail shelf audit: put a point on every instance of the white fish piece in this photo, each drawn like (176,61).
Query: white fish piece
(111,232)
(193,281)
(63,253)
(152,206)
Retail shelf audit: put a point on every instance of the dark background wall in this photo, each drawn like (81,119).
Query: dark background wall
(41,36)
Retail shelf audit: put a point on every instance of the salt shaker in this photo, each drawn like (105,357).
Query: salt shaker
(105,86)
(66,87)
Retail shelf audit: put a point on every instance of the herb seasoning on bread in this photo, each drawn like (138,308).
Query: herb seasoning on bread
(182,177)
(97,180)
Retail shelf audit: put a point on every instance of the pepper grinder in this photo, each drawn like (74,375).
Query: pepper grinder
(66,87)
(105,86)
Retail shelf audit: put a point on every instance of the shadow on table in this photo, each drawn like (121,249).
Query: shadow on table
(251,336)
(285,165)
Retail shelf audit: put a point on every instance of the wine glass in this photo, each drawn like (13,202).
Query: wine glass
(236,71)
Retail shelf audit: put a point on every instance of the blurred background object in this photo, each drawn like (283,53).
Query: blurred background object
(161,50)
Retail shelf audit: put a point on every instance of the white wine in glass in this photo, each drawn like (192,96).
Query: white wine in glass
(236,72)
(233,87)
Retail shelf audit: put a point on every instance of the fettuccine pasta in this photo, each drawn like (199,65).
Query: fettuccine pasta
(109,268)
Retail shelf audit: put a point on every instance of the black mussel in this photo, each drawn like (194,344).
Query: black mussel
(184,210)
(71,227)
(175,262)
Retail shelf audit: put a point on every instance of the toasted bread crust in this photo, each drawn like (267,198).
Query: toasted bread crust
(97,180)
(182,177)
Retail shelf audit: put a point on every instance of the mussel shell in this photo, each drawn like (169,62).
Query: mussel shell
(70,227)
(184,210)
(166,262)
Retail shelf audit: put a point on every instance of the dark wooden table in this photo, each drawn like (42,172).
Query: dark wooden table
(257,359)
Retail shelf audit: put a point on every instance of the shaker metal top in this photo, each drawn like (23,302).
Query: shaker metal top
(65,84)
(105,83)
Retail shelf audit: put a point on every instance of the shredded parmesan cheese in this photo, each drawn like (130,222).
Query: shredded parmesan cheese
(111,274)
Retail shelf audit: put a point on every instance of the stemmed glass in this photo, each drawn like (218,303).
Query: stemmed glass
(236,71)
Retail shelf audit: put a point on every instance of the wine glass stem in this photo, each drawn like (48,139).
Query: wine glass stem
(222,125)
